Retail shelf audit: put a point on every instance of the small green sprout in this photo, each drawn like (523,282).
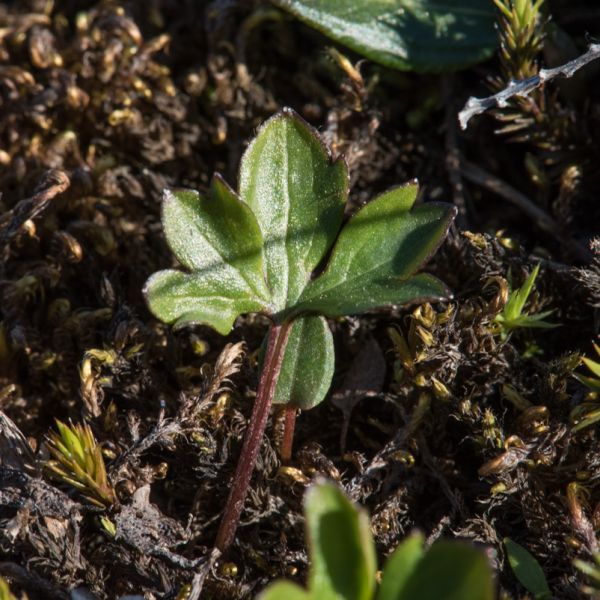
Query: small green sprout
(78,461)
(593,383)
(343,561)
(512,316)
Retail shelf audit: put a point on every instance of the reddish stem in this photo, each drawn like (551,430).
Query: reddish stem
(278,336)
(289,424)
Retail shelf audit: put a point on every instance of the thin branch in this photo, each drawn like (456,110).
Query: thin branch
(475,106)
(542,219)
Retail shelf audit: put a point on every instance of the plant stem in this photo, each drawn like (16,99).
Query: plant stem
(289,424)
(278,336)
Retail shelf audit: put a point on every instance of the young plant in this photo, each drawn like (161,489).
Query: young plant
(343,562)
(257,252)
(78,461)
(512,316)
(587,413)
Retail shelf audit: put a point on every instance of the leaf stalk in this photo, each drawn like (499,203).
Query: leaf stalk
(278,337)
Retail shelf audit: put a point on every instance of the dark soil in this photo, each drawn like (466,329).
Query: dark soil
(104,105)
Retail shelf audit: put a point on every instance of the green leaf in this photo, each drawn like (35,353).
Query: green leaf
(452,571)
(297,193)
(218,239)
(420,35)
(341,546)
(517,299)
(527,570)
(376,255)
(196,298)
(400,566)
(284,590)
(308,364)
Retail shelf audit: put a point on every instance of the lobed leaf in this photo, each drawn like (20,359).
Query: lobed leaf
(376,255)
(298,193)
(420,35)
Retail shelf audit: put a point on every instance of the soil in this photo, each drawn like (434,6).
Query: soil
(103,105)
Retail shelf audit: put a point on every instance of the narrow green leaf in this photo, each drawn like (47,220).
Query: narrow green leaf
(516,302)
(211,298)
(308,364)
(297,193)
(527,570)
(452,571)
(377,253)
(593,366)
(285,590)
(420,35)
(341,546)
(400,566)
(217,232)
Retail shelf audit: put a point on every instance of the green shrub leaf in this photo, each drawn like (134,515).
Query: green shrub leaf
(399,567)
(376,255)
(297,193)
(308,364)
(420,35)
(527,570)
(285,590)
(341,546)
(452,571)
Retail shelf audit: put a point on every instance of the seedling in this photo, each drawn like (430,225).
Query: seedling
(78,461)
(343,561)
(256,252)
(513,316)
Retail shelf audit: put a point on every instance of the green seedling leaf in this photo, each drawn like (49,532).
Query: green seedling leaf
(400,566)
(341,546)
(218,239)
(419,35)
(452,571)
(297,193)
(512,315)
(308,364)
(377,253)
(285,590)
(527,570)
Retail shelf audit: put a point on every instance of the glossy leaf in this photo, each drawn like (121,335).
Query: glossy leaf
(400,566)
(527,570)
(218,239)
(196,298)
(285,590)
(257,252)
(450,570)
(420,35)
(376,255)
(308,364)
(297,193)
(341,546)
